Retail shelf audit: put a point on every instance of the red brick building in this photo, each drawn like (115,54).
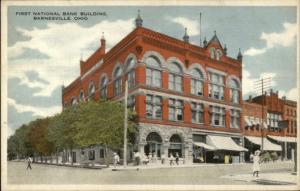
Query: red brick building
(275,110)
(187,98)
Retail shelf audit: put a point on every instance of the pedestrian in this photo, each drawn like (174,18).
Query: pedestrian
(171,159)
(29,161)
(163,159)
(177,158)
(137,158)
(116,159)
(256,167)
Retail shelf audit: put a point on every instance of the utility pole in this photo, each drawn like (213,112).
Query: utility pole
(125,125)
(262,85)
(200,31)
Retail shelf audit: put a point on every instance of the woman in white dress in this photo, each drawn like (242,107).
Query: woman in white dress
(256,167)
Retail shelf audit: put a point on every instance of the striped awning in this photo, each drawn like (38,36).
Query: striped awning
(224,143)
(283,139)
(205,146)
(268,146)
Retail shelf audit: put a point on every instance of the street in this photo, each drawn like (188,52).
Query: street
(212,174)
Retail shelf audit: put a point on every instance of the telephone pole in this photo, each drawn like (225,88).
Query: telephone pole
(125,125)
(262,86)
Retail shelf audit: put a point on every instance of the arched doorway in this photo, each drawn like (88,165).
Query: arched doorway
(175,145)
(153,146)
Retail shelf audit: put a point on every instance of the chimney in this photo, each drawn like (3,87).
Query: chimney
(271,91)
(284,98)
(102,45)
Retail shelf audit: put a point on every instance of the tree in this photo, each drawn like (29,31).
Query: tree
(38,137)
(24,147)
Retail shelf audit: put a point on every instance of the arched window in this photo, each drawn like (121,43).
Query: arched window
(212,52)
(234,90)
(130,73)
(91,91)
(175,77)
(218,54)
(103,87)
(73,101)
(81,96)
(153,72)
(216,86)
(197,82)
(175,145)
(118,81)
(153,147)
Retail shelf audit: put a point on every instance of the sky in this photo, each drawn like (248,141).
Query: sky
(44,55)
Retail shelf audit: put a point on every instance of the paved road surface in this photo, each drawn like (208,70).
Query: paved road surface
(205,175)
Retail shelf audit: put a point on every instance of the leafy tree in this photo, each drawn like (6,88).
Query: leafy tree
(13,147)
(24,147)
(38,136)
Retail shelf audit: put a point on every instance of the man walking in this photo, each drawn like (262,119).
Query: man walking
(29,163)
(116,159)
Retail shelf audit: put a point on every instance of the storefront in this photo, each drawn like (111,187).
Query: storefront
(288,145)
(254,143)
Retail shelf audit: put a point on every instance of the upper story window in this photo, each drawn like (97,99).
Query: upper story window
(218,54)
(91,91)
(175,110)
(197,81)
(131,102)
(217,116)
(212,52)
(103,87)
(197,112)
(234,118)
(175,77)
(81,96)
(216,86)
(118,81)
(153,107)
(130,73)
(73,101)
(273,119)
(153,72)
(234,91)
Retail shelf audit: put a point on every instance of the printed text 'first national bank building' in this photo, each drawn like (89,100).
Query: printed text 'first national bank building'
(187,98)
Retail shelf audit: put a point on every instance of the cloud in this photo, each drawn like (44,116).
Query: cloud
(192,26)
(36,111)
(62,47)
(249,83)
(285,39)
(292,94)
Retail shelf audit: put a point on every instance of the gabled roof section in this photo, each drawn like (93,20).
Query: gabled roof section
(215,40)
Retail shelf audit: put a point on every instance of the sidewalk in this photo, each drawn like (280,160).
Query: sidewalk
(165,166)
(279,178)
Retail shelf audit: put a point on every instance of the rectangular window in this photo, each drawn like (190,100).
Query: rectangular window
(216,86)
(118,86)
(153,77)
(131,79)
(175,110)
(91,154)
(197,112)
(217,116)
(197,87)
(131,103)
(234,118)
(153,107)
(103,92)
(175,82)
(101,151)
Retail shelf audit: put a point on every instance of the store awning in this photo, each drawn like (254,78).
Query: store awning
(284,139)
(256,121)
(265,125)
(205,146)
(224,143)
(268,146)
(247,121)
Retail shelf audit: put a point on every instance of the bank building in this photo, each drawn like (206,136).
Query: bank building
(188,98)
